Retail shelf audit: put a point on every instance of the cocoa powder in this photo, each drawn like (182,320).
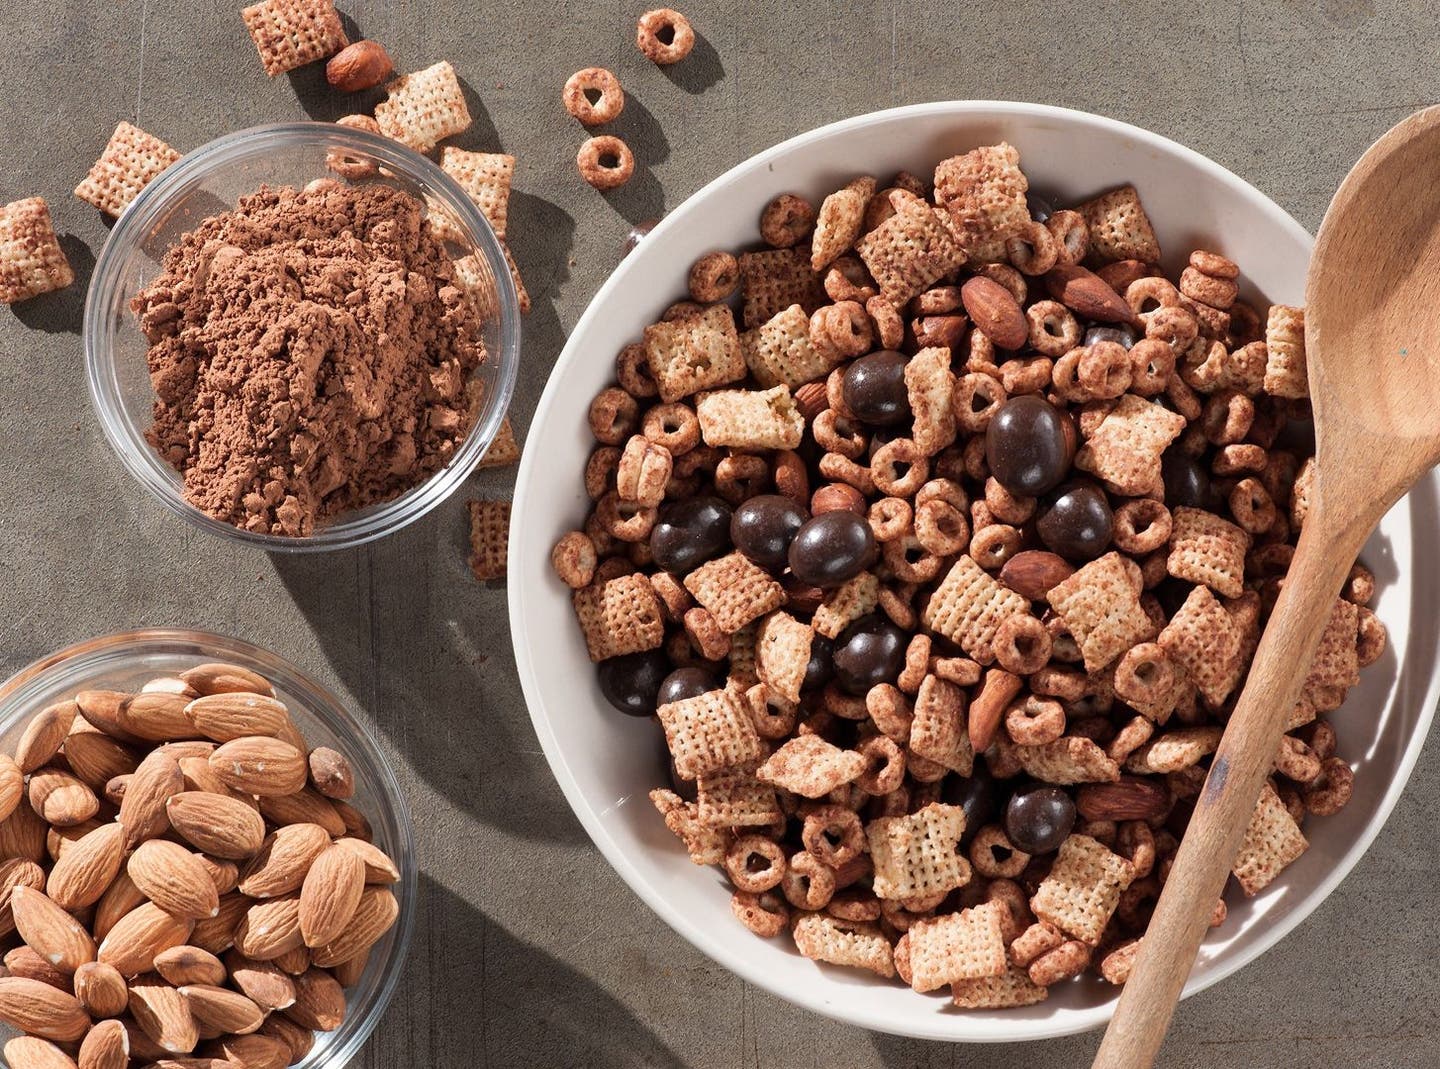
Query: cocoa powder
(311,355)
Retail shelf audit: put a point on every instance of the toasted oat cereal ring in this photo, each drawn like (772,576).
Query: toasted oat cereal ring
(613,416)
(1371,643)
(890,518)
(833,834)
(675,600)
(901,919)
(1071,234)
(1331,790)
(632,371)
(763,914)
(1227,417)
(714,277)
(1252,507)
(1005,506)
(1129,738)
(1152,362)
(1034,250)
(898,608)
(606,162)
(625,520)
(899,468)
(755,864)
(773,716)
(1105,370)
(1207,289)
(1142,525)
(741,476)
(705,634)
(980,353)
(1067,684)
(1017,907)
(600,471)
(847,280)
(1245,326)
(664,35)
(941,528)
(843,704)
(681,310)
(995,856)
(889,327)
(1213,264)
(1145,675)
(842,469)
(1026,374)
(1320,734)
(1240,459)
(1034,721)
(643,472)
(842,329)
(917,664)
(1183,399)
(1175,326)
(976,400)
(835,433)
(994,544)
(1119,274)
(1296,761)
(1359,585)
(594,96)
(854,906)
(1148,295)
(938,300)
(1065,961)
(808,883)
(944,489)
(909,561)
(1065,377)
(1054,330)
(673,427)
(1116,966)
(1037,939)
(890,712)
(702,460)
(786,221)
(574,560)
(1022,646)
(1135,842)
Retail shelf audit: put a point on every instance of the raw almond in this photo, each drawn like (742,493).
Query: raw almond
(270,928)
(331,773)
(995,312)
(86,869)
(44,735)
(101,989)
(357,825)
(22,834)
(142,810)
(373,917)
(298,1040)
(217,934)
(41,1010)
(378,866)
(131,945)
(60,798)
(263,982)
(319,1002)
(359,66)
(168,685)
(284,859)
(1032,573)
(27,1052)
(51,932)
(115,789)
(216,824)
(226,679)
(294,961)
(260,765)
(189,965)
(118,900)
(156,717)
(223,874)
(348,972)
(1129,799)
(1088,296)
(163,1014)
(101,709)
(95,757)
(107,1046)
(228,1011)
(12,786)
(252,1052)
(143,1049)
(224,717)
(189,748)
(997,690)
(26,961)
(330,895)
(15,872)
(59,840)
(199,776)
(305,806)
(174,879)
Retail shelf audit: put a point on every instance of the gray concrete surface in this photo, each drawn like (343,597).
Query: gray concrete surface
(530,952)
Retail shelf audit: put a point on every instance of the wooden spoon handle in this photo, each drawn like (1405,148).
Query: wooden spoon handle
(1222,812)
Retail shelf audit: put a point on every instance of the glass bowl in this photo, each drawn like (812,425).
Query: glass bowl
(125,661)
(210,180)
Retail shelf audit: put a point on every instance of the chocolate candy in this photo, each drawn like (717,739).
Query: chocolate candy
(688,533)
(763,527)
(1187,483)
(831,548)
(1040,207)
(1076,521)
(631,682)
(1122,334)
(975,794)
(1029,445)
(821,667)
(869,651)
(637,234)
(1038,821)
(685,683)
(874,389)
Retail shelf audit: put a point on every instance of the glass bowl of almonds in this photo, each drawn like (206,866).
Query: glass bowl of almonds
(206,856)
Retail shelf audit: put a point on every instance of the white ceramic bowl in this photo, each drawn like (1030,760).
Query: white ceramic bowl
(606,762)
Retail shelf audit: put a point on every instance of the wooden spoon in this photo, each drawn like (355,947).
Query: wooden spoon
(1372,340)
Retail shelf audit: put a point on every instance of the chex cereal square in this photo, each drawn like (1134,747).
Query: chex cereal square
(1125,450)
(1272,841)
(620,616)
(1119,227)
(1083,888)
(779,351)
(969,606)
(31,259)
(489,538)
(1100,605)
(918,854)
(983,191)
(809,766)
(939,731)
(782,653)
(751,420)
(909,251)
(1204,548)
(774,279)
(859,944)
(130,160)
(485,178)
(424,108)
(291,33)
(694,353)
(733,798)
(966,945)
(709,732)
(1203,639)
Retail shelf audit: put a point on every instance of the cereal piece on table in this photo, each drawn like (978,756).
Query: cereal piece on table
(1207,549)
(664,35)
(846,603)
(132,158)
(706,845)
(1204,640)
(1068,760)
(504,450)
(860,944)
(918,854)
(424,108)
(1285,369)
(1119,227)
(620,616)
(1337,663)
(485,178)
(1176,749)
(522,295)
(773,280)
(1010,989)
(939,731)
(31,259)
(1125,450)
(1100,605)
(750,419)
(983,192)
(735,589)
(909,251)
(489,538)
(734,798)
(782,654)
(291,33)
(930,384)
(969,606)
(1083,888)
(1272,841)
(605,162)
(694,353)
(709,732)
(609,97)
(838,223)
(778,352)
(967,945)
(809,766)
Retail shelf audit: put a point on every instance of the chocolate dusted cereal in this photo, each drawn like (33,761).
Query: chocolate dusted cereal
(31,259)
(489,538)
(695,353)
(968,945)
(779,351)
(708,733)
(291,33)
(917,854)
(485,178)
(1272,842)
(811,767)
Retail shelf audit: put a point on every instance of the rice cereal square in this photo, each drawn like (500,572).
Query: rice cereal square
(1010,989)
(969,606)
(424,108)
(132,158)
(1083,888)
(489,538)
(782,654)
(858,944)
(485,178)
(695,353)
(1203,639)
(751,420)
(1272,842)
(620,616)
(774,279)
(778,352)
(31,259)
(291,33)
(1119,227)
(967,945)
(983,191)
(909,251)
(1124,451)
(809,766)
(1204,548)
(733,798)
(939,730)
(1100,605)
(735,589)
(709,732)
(918,854)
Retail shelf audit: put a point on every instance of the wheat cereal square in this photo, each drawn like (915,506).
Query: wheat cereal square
(1286,373)
(809,766)
(751,420)
(291,33)
(423,108)
(1176,749)
(969,606)
(918,854)
(983,192)
(31,259)
(132,158)
(489,538)
(709,732)
(1207,549)
(778,352)
(694,353)
(909,251)
(774,279)
(1083,888)
(967,945)
(485,177)
(1119,227)
(1203,639)
(1272,842)
(735,589)
(858,944)
(930,385)
(1011,989)
(782,654)
(939,730)
(1100,606)
(1337,662)
(1125,450)
(1069,760)
(733,798)
(706,844)
(744,652)
(504,450)
(846,603)
(620,616)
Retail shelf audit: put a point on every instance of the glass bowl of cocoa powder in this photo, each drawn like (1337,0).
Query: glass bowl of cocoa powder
(302,337)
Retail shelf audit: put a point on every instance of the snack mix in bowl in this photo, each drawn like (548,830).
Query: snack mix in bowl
(938,534)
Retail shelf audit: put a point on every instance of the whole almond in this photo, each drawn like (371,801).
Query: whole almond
(119,899)
(142,810)
(199,776)
(169,685)
(347,973)
(217,934)
(223,874)
(101,989)
(216,824)
(51,932)
(86,869)
(319,1002)
(270,928)
(106,1046)
(95,757)
(263,982)
(12,786)
(330,773)
(360,66)
(330,895)
(143,1049)
(251,1052)
(174,879)
(379,868)
(189,748)
(995,312)
(297,1039)
(26,961)
(44,735)
(294,961)
(228,1011)
(28,1052)
(1129,799)
(22,834)
(260,765)
(1032,573)
(189,965)
(306,806)
(372,918)
(1087,295)
(60,798)
(837,497)
(226,679)
(41,1010)
(156,717)
(811,399)
(997,690)
(59,840)
(116,787)
(284,859)
(224,717)
(357,825)
(131,945)
(15,872)
(163,1014)
(101,709)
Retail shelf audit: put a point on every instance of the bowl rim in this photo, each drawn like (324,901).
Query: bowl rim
(712,943)
(126,438)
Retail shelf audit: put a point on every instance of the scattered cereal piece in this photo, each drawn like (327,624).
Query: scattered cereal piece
(782,654)
(664,35)
(1010,989)
(1083,888)
(969,606)
(930,384)
(838,224)
(967,945)
(909,251)
(706,845)
(31,259)
(709,732)
(489,538)
(504,450)
(938,730)
(606,162)
(735,590)
(1119,227)
(809,766)
(983,191)
(620,616)
(291,33)
(918,854)
(1336,662)
(1100,605)
(694,353)
(485,178)
(733,798)
(1272,841)
(1125,450)
(750,419)
(131,159)
(1176,749)
(522,295)
(1067,761)
(424,108)
(594,96)
(846,603)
